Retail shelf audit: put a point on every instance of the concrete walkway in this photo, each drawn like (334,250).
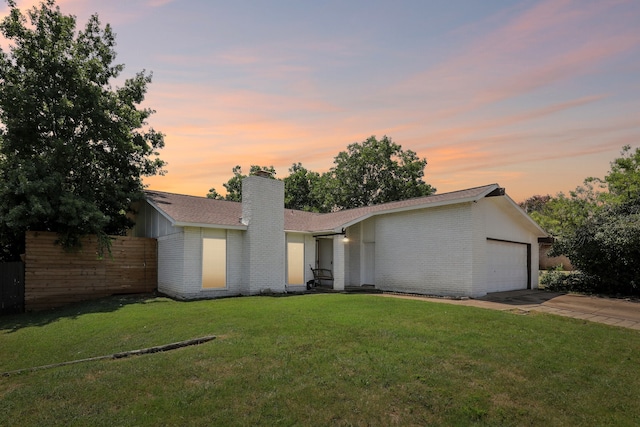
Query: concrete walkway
(611,311)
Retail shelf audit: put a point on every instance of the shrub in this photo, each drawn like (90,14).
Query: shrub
(561,281)
(606,250)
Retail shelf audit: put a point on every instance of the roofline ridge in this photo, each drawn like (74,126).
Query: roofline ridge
(418,197)
(189,195)
(465,189)
(343,210)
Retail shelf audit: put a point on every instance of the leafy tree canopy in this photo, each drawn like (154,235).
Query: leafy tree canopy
(562,214)
(73,150)
(375,172)
(597,227)
(535,203)
(305,190)
(368,173)
(606,251)
(623,180)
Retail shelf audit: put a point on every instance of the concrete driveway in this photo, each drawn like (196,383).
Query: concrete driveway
(611,311)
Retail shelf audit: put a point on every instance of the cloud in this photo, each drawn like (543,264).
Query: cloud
(536,49)
(490,100)
(516,149)
(112,12)
(453,133)
(159,3)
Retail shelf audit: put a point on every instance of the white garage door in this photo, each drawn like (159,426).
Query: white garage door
(507,266)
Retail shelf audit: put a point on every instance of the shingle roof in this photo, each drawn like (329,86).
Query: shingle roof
(335,220)
(183,210)
(200,211)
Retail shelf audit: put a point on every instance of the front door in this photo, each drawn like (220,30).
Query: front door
(324,253)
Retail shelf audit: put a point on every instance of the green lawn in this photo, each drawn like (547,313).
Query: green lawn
(316,360)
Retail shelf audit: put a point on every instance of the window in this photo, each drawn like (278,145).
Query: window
(214,263)
(295,260)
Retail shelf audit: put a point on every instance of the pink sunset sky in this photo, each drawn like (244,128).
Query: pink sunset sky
(533,95)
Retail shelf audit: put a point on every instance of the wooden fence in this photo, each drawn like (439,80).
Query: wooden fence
(547,262)
(55,277)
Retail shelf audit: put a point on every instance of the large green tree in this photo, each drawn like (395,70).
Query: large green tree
(598,228)
(605,249)
(73,149)
(367,173)
(305,190)
(623,180)
(374,172)
(563,214)
(535,203)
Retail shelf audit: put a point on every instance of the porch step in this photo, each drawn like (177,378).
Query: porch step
(321,290)
(364,289)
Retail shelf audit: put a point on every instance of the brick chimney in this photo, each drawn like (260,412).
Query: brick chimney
(264,241)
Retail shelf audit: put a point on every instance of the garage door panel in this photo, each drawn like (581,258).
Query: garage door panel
(507,266)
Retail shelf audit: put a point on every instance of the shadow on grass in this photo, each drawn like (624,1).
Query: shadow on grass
(14,322)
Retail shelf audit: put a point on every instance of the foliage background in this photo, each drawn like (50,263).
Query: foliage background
(73,149)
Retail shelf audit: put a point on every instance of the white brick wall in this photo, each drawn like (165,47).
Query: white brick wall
(352,247)
(479,248)
(439,251)
(340,263)
(501,223)
(235,240)
(309,257)
(181,277)
(263,212)
(192,278)
(425,251)
(494,218)
(171,264)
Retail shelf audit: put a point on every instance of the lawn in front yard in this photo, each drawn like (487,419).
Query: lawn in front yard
(327,359)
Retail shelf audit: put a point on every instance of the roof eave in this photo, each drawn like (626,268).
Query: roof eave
(416,207)
(163,213)
(216,226)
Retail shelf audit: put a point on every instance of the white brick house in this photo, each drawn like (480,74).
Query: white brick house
(463,243)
